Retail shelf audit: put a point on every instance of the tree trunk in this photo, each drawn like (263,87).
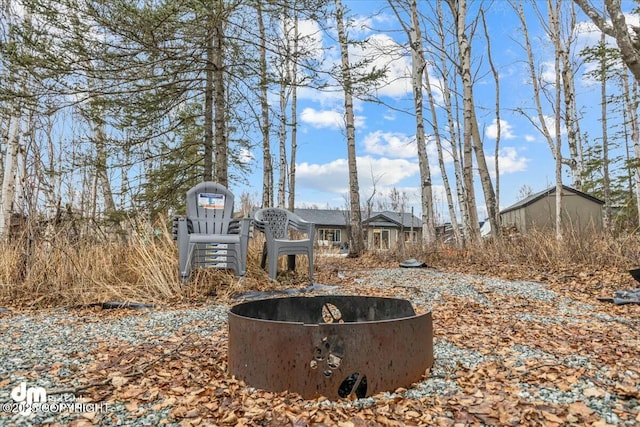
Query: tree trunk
(100,141)
(454,139)
(553,13)
(485,177)
(631,101)
(605,139)
(267,166)
(356,246)
(496,152)
(207,173)
(438,140)
(459,11)
(555,144)
(418,67)
(221,141)
(294,113)
(9,178)
(282,134)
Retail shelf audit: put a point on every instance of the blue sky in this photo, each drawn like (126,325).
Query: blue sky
(385,135)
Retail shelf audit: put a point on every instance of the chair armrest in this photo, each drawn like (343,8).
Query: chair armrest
(245,226)
(241,226)
(303,226)
(174,227)
(258,225)
(181,227)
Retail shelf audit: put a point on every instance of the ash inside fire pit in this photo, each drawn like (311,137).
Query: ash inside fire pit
(334,346)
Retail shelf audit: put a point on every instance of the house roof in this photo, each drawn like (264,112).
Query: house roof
(333,217)
(551,190)
(339,218)
(393,219)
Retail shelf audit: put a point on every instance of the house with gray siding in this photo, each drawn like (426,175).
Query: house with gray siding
(580,211)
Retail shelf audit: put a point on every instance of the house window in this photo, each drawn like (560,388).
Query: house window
(329,235)
(411,236)
(380,239)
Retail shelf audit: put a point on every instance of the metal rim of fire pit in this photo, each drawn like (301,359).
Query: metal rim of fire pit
(332,346)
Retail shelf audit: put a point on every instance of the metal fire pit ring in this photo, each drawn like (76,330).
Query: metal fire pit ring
(332,346)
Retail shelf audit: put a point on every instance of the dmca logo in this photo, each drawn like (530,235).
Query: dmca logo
(27,400)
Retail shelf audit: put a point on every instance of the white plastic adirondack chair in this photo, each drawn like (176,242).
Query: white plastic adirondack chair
(209,236)
(276,223)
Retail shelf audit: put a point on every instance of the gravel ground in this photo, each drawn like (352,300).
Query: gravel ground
(52,348)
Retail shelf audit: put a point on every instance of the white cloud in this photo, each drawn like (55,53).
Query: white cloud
(311,38)
(506,130)
(509,161)
(551,126)
(322,119)
(360,26)
(245,156)
(330,119)
(529,138)
(389,115)
(386,53)
(392,144)
(387,171)
(333,177)
(548,74)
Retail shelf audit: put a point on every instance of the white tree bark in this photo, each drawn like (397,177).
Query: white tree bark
(631,105)
(267,167)
(9,178)
(552,10)
(470,134)
(294,114)
(418,68)
(356,246)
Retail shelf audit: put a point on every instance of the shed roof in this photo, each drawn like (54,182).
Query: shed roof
(551,190)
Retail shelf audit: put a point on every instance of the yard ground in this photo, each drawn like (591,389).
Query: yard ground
(511,346)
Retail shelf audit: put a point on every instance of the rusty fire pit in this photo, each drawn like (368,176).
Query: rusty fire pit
(334,346)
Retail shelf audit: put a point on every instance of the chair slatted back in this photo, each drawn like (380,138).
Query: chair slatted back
(276,222)
(210,208)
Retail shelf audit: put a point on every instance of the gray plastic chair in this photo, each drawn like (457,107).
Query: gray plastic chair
(209,236)
(277,224)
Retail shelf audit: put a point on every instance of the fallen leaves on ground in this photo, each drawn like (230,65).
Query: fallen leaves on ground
(187,374)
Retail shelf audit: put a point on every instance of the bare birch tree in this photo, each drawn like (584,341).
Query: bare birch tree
(471,134)
(12,146)
(294,111)
(267,166)
(554,24)
(607,220)
(437,136)
(356,241)
(418,69)
(496,153)
(631,106)
(554,139)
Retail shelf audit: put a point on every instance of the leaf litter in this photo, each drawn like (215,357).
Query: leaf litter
(507,353)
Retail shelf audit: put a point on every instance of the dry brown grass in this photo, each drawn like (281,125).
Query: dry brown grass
(592,250)
(58,271)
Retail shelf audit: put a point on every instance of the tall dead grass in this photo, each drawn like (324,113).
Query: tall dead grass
(62,271)
(538,248)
